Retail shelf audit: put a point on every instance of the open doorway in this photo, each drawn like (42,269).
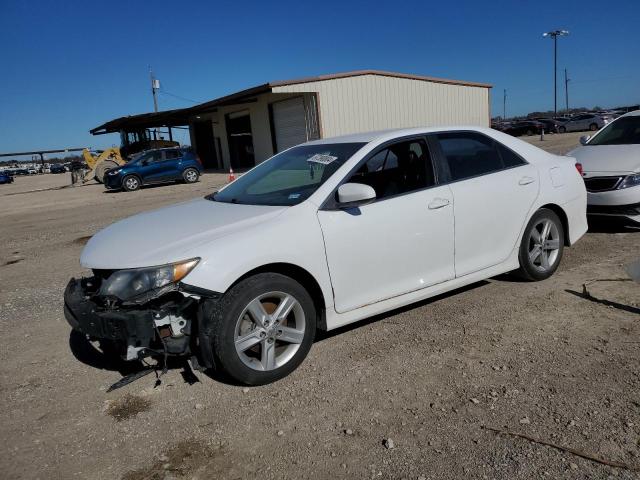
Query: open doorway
(205,146)
(240,139)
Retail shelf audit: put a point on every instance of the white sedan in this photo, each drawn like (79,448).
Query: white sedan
(322,235)
(611,168)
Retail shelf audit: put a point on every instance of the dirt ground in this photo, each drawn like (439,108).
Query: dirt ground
(537,359)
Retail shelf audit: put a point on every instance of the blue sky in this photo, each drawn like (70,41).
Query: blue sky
(70,66)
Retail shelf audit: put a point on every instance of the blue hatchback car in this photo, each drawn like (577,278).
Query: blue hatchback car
(155,166)
(5,178)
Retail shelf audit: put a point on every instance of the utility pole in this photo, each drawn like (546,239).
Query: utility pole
(566,89)
(155,86)
(555,34)
(504,106)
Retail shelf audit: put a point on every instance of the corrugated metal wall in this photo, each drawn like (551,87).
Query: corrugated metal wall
(374,102)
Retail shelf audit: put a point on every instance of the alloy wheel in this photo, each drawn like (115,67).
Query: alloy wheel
(544,245)
(190,176)
(269,331)
(131,183)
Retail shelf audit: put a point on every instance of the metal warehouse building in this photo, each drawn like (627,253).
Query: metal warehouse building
(247,127)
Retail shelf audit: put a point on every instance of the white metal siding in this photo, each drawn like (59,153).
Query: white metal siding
(376,102)
(289,123)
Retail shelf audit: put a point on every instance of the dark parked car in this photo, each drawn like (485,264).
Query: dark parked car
(526,127)
(5,178)
(155,166)
(550,125)
(21,171)
(56,168)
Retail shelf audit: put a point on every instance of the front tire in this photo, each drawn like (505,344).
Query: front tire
(542,246)
(264,328)
(593,127)
(562,129)
(130,183)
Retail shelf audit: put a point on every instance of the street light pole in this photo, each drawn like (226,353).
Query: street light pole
(504,106)
(555,34)
(566,89)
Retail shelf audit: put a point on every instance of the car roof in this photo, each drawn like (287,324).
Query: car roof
(631,114)
(384,135)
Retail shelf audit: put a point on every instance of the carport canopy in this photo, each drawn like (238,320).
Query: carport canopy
(167,118)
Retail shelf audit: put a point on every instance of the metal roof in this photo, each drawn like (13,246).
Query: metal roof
(181,116)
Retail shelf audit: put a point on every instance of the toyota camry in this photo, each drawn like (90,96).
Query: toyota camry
(322,235)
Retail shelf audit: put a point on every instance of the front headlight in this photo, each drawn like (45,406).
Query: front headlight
(129,283)
(114,171)
(630,181)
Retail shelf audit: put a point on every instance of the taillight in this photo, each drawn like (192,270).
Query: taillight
(579,168)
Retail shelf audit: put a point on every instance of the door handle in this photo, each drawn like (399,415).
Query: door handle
(438,203)
(526,180)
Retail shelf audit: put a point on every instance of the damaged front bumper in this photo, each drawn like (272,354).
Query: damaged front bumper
(162,326)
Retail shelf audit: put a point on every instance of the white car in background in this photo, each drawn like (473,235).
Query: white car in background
(322,235)
(611,168)
(583,121)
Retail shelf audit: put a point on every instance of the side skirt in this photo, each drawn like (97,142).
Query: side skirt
(335,320)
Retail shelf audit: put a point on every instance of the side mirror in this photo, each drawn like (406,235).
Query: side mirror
(584,139)
(352,195)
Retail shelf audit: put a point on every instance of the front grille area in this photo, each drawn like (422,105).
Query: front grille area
(601,184)
(630,210)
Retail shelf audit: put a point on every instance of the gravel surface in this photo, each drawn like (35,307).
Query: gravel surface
(402,395)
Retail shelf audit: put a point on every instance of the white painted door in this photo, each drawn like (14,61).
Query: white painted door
(289,123)
(493,190)
(390,247)
(490,212)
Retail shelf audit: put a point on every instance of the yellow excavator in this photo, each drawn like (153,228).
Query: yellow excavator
(99,164)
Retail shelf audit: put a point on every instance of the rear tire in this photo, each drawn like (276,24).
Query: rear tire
(541,246)
(130,183)
(562,129)
(593,127)
(190,175)
(529,133)
(251,342)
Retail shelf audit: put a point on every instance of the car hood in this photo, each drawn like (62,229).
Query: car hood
(608,158)
(169,234)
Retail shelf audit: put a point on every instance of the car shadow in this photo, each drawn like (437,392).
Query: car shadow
(323,335)
(104,358)
(612,225)
(101,358)
(150,186)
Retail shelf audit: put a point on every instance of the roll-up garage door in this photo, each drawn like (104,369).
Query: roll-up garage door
(289,123)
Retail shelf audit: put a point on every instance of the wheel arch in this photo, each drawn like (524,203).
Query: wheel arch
(300,275)
(558,210)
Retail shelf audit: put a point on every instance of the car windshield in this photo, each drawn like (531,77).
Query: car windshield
(624,131)
(289,177)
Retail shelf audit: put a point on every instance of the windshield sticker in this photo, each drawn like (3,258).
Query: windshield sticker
(322,159)
(294,196)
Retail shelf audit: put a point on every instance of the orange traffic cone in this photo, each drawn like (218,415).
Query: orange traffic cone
(232,175)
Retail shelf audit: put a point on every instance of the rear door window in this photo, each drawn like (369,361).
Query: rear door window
(172,154)
(469,154)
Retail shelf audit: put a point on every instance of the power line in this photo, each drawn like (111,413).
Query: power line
(164,92)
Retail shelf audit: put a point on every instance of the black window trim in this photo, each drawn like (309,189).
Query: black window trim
(442,160)
(331,204)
